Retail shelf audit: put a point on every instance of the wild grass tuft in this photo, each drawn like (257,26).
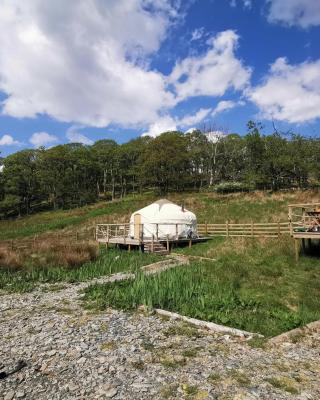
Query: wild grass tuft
(52,266)
(262,291)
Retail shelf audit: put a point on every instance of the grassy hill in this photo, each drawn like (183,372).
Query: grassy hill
(210,207)
(253,283)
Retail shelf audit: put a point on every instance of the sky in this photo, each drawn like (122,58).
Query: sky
(85,70)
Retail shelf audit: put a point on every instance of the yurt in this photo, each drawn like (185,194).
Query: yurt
(163,219)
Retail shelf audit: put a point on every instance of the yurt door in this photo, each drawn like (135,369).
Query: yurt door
(137,226)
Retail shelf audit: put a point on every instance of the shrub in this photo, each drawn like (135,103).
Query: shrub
(10,259)
(232,187)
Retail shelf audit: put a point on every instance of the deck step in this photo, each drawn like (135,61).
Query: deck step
(158,248)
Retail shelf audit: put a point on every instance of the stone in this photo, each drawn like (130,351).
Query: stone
(110,393)
(133,368)
(9,395)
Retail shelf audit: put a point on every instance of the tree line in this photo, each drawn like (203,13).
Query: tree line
(73,174)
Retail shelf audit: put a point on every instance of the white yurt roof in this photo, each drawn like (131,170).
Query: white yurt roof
(164,218)
(164,210)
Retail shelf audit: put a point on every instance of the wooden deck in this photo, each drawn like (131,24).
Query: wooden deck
(120,235)
(304,220)
(137,242)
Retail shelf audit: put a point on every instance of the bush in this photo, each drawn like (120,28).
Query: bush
(10,259)
(232,187)
(49,254)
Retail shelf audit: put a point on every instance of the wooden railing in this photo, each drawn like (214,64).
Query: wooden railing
(108,231)
(149,230)
(253,229)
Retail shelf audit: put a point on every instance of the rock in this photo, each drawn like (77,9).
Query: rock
(110,393)
(72,387)
(147,356)
(9,395)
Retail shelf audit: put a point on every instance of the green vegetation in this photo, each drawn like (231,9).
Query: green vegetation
(253,285)
(287,384)
(73,219)
(73,175)
(211,207)
(109,262)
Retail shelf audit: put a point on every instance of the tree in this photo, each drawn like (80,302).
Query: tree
(165,162)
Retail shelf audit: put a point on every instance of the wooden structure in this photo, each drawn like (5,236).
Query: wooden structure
(119,234)
(304,222)
(252,229)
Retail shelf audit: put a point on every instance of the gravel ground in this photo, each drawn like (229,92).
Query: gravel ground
(71,353)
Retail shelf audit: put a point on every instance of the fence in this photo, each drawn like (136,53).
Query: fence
(269,230)
(253,229)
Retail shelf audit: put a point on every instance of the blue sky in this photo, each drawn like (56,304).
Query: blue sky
(92,69)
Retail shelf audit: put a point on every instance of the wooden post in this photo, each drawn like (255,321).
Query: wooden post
(252,228)
(157,231)
(206,228)
(141,236)
(176,231)
(304,215)
(303,245)
(227,228)
(296,248)
(152,244)
(290,220)
(279,229)
(129,248)
(190,243)
(168,248)
(77,236)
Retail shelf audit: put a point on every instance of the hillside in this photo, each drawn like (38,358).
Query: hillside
(210,207)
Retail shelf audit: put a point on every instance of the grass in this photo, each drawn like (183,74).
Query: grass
(108,262)
(284,383)
(73,219)
(253,285)
(211,207)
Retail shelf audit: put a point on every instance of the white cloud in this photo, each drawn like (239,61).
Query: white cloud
(87,63)
(195,118)
(304,13)
(289,92)
(39,139)
(8,140)
(225,105)
(213,73)
(163,124)
(246,3)
(83,61)
(167,123)
(74,136)
(197,34)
